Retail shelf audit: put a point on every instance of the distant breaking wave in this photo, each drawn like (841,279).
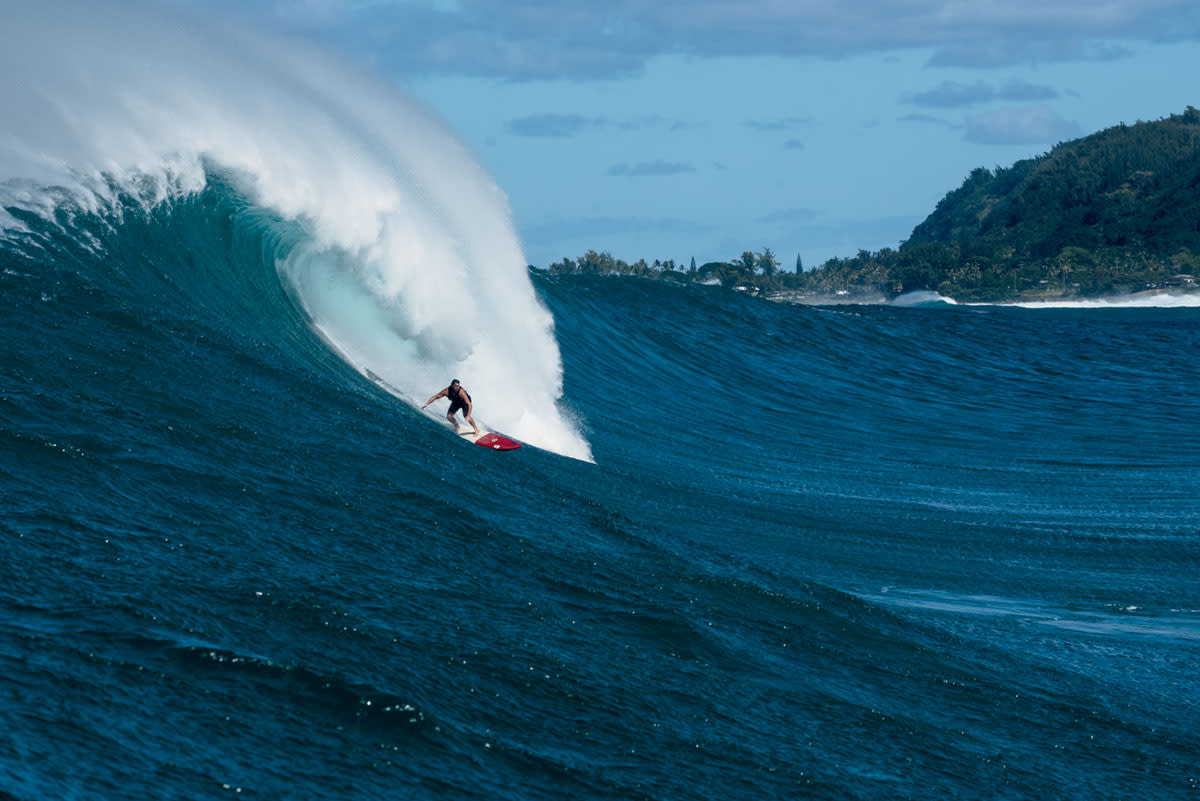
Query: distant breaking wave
(1149,300)
(405,259)
(1160,300)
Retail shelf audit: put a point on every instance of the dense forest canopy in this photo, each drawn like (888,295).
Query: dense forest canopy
(1114,212)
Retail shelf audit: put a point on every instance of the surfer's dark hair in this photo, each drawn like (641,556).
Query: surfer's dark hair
(454,381)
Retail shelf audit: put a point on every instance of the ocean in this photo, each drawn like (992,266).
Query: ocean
(750,550)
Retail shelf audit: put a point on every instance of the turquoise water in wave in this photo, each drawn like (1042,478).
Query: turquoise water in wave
(845,552)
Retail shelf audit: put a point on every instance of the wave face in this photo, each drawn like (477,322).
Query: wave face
(396,244)
(847,552)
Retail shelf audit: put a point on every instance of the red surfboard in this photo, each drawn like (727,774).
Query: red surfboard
(497,442)
(491,441)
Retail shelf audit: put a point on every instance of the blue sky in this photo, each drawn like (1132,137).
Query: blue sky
(680,130)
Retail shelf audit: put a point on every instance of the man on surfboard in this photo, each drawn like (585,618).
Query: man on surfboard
(459,399)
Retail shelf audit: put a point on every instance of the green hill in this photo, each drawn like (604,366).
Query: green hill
(1116,211)
(1132,186)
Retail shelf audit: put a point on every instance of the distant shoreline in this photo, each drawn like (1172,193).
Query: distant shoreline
(1178,296)
(1145,299)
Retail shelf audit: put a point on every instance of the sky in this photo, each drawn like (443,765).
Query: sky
(699,129)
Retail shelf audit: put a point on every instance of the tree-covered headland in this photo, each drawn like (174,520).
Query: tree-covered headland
(1112,213)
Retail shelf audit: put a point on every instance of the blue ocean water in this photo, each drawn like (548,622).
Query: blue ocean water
(858,552)
(751,550)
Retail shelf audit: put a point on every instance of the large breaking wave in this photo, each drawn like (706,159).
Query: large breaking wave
(407,262)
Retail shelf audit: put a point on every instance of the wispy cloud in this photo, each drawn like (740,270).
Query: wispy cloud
(647,122)
(1031,125)
(926,119)
(554,126)
(565,126)
(650,168)
(1025,91)
(778,124)
(950,94)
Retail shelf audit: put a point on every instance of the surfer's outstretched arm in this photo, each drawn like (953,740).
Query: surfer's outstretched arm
(441,394)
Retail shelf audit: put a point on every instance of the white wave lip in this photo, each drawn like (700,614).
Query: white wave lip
(413,269)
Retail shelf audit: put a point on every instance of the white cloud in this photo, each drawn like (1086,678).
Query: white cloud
(1031,125)
(950,94)
(648,168)
(554,126)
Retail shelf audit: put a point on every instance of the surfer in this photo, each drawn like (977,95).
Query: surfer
(459,399)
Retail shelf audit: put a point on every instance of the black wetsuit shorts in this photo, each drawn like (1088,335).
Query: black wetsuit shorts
(459,403)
